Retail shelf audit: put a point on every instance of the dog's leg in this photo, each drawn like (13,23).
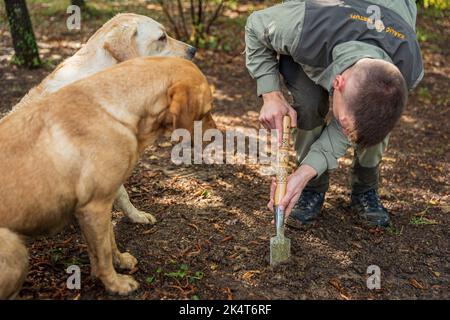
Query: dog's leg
(121,260)
(123,203)
(95,223)
(13,264)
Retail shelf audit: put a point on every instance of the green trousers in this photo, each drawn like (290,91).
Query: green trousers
(311,102)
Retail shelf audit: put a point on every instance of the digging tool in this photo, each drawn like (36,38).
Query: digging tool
(280,246)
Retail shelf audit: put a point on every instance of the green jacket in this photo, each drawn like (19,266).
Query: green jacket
(275,31)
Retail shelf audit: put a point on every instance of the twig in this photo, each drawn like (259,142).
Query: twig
(193,226)
(170,18)
(192,11)
(227,239)
(214,16)
(183,20)
(200,12)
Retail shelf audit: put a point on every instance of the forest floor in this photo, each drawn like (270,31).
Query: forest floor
(212,236)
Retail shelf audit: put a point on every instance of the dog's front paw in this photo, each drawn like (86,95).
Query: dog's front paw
(122,285)
(142,217)
(126,261)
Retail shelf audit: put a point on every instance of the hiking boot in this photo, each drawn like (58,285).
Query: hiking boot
(307,208)
(369,208)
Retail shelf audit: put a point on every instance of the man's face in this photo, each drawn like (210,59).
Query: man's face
(341,111)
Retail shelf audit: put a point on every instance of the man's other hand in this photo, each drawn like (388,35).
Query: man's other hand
(296,182)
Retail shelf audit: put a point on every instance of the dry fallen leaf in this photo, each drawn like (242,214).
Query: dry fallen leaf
(336,283)
(151,174)
(213,266)
(338,286)
(434,202)
(357,245)
(149,231)
(227,238)
(165,145)
(436,274)
(229,294)
(134,270)
(386,193)
(416,284)
(345,297)
(193,226)
(218,227)
(249,274)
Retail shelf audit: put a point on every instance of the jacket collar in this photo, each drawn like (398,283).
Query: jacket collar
(344,56)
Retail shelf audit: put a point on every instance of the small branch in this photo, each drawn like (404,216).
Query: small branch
(183,20)
(170,18)
(204,10)
(200,12)
(192,12)
(214,16)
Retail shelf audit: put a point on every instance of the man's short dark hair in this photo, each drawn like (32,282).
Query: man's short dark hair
(377,99)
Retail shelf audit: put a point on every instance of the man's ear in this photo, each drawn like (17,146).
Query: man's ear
(121,44)
(339,83)
(178,96)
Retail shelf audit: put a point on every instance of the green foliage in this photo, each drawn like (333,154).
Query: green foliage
(180,274)
(197,276)
(20,62)
(394,231)
(438,4)
(420,221)
(424,93)
(55,255)
(422,36)
(79,3)
(150,279)
(76,261)
(206,193)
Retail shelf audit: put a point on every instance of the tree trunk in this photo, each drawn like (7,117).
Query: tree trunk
(25,46)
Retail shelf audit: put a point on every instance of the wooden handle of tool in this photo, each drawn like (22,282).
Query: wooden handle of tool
(286,133)
(283,161)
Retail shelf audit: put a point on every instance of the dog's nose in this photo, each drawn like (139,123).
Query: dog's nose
(191,51)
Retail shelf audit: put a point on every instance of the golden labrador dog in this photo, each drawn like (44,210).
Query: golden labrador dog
(124,37)
(67,154)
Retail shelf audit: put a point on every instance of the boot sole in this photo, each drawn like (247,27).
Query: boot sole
(366,222)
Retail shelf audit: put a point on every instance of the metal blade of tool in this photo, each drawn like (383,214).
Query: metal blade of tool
(280,246)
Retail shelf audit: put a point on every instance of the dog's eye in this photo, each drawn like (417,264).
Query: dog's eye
(163,38)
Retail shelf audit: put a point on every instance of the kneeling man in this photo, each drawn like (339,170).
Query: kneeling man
(365,55)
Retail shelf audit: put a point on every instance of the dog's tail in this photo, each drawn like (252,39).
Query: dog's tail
(13,264)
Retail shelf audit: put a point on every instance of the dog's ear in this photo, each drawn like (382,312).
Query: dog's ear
(179,105)
(121,43)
